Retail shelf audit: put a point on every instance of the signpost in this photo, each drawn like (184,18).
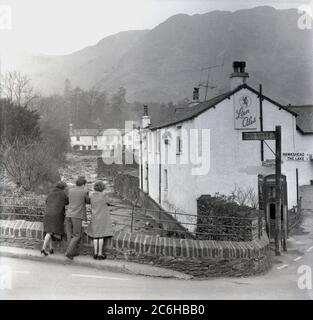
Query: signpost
(259,135)
(273,135)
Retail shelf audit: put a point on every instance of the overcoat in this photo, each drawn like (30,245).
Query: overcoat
(100,224)
(53,222)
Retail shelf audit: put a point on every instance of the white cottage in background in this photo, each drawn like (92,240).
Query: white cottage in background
(84,139)
(201,151)
(107,140)
(131,139)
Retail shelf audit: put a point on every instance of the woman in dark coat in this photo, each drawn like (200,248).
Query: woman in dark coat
(100,227)
(53,222)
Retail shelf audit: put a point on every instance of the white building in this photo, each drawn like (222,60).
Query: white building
(131,139)
(106,140)
(84,139)
(177,167)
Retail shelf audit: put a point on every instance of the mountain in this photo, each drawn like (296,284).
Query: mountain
(164,64)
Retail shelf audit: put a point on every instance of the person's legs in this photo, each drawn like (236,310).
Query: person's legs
(68,230)
(46,241)
(95,247)
(100,247)
(51,245)
(73,248)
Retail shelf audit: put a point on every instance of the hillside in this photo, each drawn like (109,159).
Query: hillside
(164,64)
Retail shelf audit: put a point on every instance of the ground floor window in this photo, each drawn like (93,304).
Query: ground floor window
(165,180)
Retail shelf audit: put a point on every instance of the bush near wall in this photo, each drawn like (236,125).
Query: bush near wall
(225,220)
(29,208)
(127,186)
(106,167)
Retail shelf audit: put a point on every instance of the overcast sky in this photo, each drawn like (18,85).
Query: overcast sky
(64,26)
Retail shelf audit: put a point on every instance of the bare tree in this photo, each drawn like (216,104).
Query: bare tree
(26,162)
(245,196)
(17,88)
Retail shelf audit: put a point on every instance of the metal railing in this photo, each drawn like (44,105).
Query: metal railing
(175,224)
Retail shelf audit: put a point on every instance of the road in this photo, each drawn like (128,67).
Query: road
(41,280)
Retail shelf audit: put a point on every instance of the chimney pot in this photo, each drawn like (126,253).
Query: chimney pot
(196,94)
(145,110)
(239,75)
(145,120)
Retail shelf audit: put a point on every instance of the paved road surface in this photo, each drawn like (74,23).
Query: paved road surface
(40,280)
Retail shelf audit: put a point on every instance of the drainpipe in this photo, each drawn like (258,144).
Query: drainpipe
(141,165)
(261,120)
(160,168)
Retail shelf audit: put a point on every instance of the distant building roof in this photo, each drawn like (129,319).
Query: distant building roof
(192,112)
(304,119)
(96,132)
(85,132)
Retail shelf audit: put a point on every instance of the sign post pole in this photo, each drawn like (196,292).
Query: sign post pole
(274,135)
(278,237)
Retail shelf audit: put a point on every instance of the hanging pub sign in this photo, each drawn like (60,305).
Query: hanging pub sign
(245,112)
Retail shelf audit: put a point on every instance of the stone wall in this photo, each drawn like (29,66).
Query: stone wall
(199,258)
(294,218)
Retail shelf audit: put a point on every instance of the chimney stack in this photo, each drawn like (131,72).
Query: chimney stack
(145,120)
(195,96)
(239,75)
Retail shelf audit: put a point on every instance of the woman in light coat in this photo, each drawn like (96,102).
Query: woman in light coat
(100,227)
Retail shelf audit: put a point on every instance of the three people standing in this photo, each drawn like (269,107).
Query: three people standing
(99,229)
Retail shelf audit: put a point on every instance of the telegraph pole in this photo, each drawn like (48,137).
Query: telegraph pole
(278,237)
(274,135)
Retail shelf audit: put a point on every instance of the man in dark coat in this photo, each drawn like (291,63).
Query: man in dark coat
(75,215)
(54,217)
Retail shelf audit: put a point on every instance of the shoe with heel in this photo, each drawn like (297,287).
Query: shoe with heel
(43,252)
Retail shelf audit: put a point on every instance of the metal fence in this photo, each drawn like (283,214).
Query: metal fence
(165,223)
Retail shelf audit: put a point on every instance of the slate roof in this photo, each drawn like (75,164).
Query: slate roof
(96,132)
(85,132)
(192,112)
(304,119)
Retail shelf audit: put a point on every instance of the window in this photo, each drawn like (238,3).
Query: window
(77,138)
(157,141)
(95,138)
(179,143)
(129,137)
(95,147)
(84,147)
(89,147)
(165,180)
(150,141)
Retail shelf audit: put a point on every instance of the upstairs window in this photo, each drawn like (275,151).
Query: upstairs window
(179,143)
(157,141)
(77,138)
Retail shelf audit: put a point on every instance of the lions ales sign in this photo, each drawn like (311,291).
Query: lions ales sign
(245,111)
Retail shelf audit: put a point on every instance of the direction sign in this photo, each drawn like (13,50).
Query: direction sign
(259,135)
